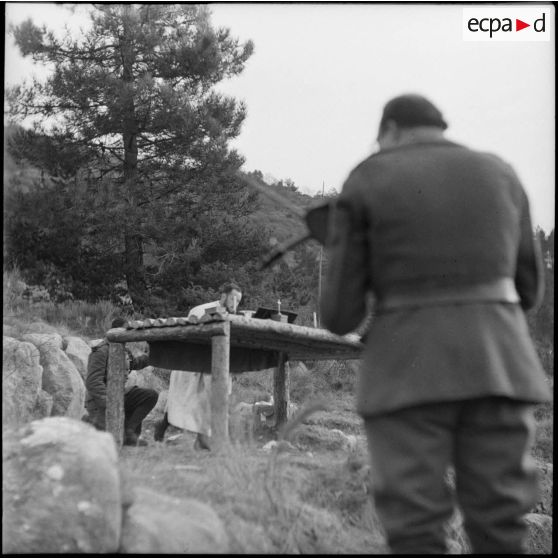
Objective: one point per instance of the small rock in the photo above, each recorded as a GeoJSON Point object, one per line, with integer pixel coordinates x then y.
{"type": "Point", "coordinates": [545, 503]}
{"type": "Point", "coordinates": [269, 446]}
{"type": "Point", "coordinates": [348, 441]}
{"type": "Point", "coordinates": [84, 507]}
{"type": "Point", "coordinates": [160, 524]}
{"type": "Point", "coordinates": [279, 446]}
{"type": "Point", "coordinates": [55, 472]}
{"type": "Point", "coordinates": [539, 540]}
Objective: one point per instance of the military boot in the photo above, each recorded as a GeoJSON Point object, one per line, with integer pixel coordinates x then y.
{"type": "Point", "coordinates": [160, 428]}
{"type": "Point", "coordinates": [132, 439]}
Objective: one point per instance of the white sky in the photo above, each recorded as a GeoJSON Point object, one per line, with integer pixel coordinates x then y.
{"type": "Point", "coordinates": [321, 73]}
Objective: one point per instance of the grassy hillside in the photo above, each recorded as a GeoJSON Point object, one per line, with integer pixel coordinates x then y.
{"type": "Point", "coordinates": [280, 221]}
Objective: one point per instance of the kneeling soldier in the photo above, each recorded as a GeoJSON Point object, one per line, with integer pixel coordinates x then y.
{"type": "Point", "coordinates": [138, 402]}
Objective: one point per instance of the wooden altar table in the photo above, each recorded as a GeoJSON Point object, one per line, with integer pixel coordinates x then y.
{"type": "Point", "coordinates": [219, 346]}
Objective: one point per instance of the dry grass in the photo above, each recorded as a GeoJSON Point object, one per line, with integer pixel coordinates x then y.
{"type": "Point", "coordinates": [277, 502]}
{"type": "Point", "coordinates": [310, 496]}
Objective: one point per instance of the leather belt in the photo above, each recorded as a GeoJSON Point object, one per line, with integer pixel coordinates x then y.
{"type": "Point", "coordinates": [499, 290]}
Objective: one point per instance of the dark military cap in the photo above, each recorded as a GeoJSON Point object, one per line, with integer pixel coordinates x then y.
{"type": "Point", "coordinates": [411, 110]}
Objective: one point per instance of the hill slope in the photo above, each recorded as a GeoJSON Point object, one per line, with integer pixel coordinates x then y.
{"type": "Point", "coordinates": [281, 222]}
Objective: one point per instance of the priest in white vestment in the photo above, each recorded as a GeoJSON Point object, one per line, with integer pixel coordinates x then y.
{"type": "Point", "coordinates": [188, 401]}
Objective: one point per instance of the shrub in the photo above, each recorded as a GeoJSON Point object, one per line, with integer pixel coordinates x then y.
{"type": "Point", "coordinates": [335, 375]}
{"type": "Point", "coordinates": [36, 293]}
{"type": "Point", "coordinates": [13, 287]}
{"type": "Point", "coordinates": [543, 448]}
{"type": "Point", "coordinates": [88, 318]}
{"type": "Point", "coordinates": [25, 305]}
{"type": "Point", "coordinates": [251, 387]}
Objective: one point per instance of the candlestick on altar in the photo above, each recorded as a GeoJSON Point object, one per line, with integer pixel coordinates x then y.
{"type": "Point", "coordinates": [278, 307]}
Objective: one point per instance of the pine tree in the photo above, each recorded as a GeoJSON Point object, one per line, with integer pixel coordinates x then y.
{"type": "Point", "coordinates": [134, 95]}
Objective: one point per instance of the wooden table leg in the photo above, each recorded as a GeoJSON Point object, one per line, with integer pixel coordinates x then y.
{"type": "Point", "coordinates": [116, 378]}
{"type": "Point", "coordinates": [281, 389]}
{"type": "Point", "coordinates": [220, 353]}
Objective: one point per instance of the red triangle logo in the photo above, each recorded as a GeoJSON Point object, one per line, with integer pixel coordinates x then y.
{"type": "Point", "coordinates": [519, 25]}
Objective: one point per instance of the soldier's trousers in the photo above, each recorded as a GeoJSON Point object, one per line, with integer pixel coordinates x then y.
{"type": "Point", "coordinates": [487, 441]}
{"type": "Point", "coordinates": [138, 403]}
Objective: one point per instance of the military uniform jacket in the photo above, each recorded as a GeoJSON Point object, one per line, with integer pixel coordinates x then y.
{"type": "Point", "coordinates": [96, 379]}
{"type": "Point", "coordinates": [428, 220]}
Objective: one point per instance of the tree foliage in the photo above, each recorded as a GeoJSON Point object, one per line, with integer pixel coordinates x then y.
{"type": "Point", "coordinates": [71, 244]}
{"type": "Point", "coordinates": [131, 103]}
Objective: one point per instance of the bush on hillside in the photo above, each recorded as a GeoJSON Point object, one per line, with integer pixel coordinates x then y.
{"type": "Point", "coordinates": [336, 375]}
{"type": "Point", "coordinates": [13, 287]}
{"type": "Point", "coordinates": [88, 319]}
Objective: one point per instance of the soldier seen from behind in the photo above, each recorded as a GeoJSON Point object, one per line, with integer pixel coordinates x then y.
{"type": "Point", "coordinates": [439, 236]}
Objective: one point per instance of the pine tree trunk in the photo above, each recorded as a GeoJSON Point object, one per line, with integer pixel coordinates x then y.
{"type": "Point", "coordinates": [133, 242]}
{"type": "Point", "coordinates": [134, 270]}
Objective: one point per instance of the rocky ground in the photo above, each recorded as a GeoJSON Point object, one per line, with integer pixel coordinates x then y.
{"type": "Point", "coordinates": [308, 493]}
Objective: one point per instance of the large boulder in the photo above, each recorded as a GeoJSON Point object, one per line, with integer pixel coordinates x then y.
{"type": "Point", "coordinates": [48, 339]}
{"type": "Point", "coordinates": [78, 352]}
{"type": "Point", "coordinates": [61, 489]}
{"type": "Point", "coordinates": [21, 381]}
{"type": "Point", "coordinates": [145, 378]}
{"type": "Point", "coordinates": [160, 524]}
{"type": "Point", "coordinates": [60, 377]}
{"type": "Point", "coordinates": [43, 406]}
